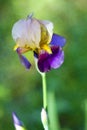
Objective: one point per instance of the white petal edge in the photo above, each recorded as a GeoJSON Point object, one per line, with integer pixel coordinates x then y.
{"type": "Point", "coordinates": [18, 29]}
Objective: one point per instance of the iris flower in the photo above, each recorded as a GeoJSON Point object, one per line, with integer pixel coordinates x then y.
{"type": "Point", "coordinates": [35, 35]}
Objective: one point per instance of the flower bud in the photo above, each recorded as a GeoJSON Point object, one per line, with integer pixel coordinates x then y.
{"type": "Point", "coordinates": [17, 123]}
{"type": "Point", "coordinates": [44, 119]}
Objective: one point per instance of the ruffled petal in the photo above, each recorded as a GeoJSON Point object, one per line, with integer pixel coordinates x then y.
{"type": "Point", "coordinates": [57, 57]}
{"type": "Point", "coordinates": [19, 29]}
{"type": "Point", "coordinates": [58, 40]}
{"type": "Point", "coordinates": [34, 32]}
{"type": "Point", "coordinates": [27, 32]}
{"type": "Point", "coordinates": [48, 61]}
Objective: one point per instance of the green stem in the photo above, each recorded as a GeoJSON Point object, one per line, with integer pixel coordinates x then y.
{"type": "Point", "coordinates": [85, 102]}
{"type": "Point", "coordinates": [52, 112]}
{"type": "Point", "coordinates": [43, 75]}
{"type": "Point", "coordinates": [44, 90]}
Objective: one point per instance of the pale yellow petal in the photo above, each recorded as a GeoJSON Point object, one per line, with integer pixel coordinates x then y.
{"type": "Point", "coordinates": [49, 26]}
{"type": "Point", "coordinates": [34, 33]}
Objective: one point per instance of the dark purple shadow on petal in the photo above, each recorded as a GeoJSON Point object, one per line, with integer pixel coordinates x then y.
{"type": "Point", "coordinates": [16, 120]}
{"type": "Point", "coordinates": [43, 62]}
{"type": "Point", "coordinates": [18, 50]}
{"type": "Point", "coordinates": [35, 55]}
{"type": "Point", "coordinates": [58, 40]}
{"type": "Point", "coordinates": [48, 61]}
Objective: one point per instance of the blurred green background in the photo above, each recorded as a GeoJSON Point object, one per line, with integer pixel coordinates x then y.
{"type": "Point", "coordinates": [21, 90]}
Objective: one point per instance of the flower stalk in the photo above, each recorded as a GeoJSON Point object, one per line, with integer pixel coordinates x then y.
{"type": "Point", "coordinates": [44, 117]}
{"type": "Point", "coordinates": [44, 90]}
{"type": "Point", "coordinates": [85, 106]}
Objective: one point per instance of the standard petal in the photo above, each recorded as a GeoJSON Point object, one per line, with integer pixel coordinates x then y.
{"type": "Point", "coordinates": [48, 25]}
{"type": "Point", "coordinates": [27, 32]}
{"type": "Point", "coordinates": [48, 61]}
{"type": "Point", "coordinates": [58, 40]}
{"type": "Point", "coordinates": [19, 29]}
{"type": "Point", "coordinates": [34, 32]}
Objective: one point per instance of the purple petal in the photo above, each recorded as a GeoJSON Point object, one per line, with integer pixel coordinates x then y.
{"type": "Point", "coordinates": [18, 50]}
{"type": "Point", "coordinates": [24, 61]}
{"type": "Point", "coordinates": [48, 61]}
{"type": "Point", "coordinates": [57, 58]}
{"type": "Point", "coordinates": [16, 120]}
{"type": "Point", "coordinates": [58, 40]}
{"type": "Point", "coordinates": [43, 62]}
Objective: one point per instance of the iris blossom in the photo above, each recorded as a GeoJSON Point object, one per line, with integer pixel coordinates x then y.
{"type": "Point", "coordinates": [35, 35]}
